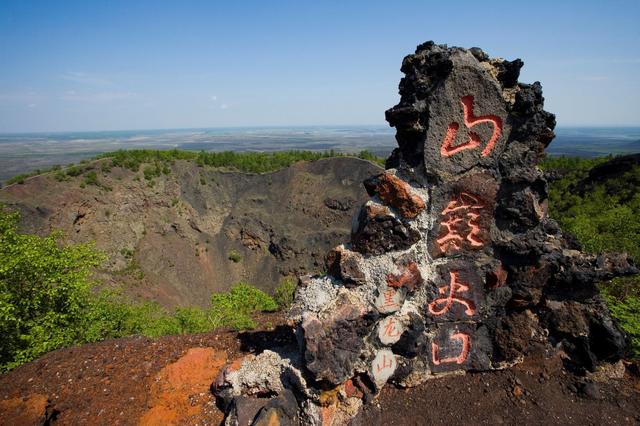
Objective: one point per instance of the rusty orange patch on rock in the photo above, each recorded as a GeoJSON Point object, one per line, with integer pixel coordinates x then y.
{"type": "Point", "coordinates": [32, 410]}
{"type": "Point", "coordinates": [177, 383]}
{"type": "Point", "coordinates": [397, 193]}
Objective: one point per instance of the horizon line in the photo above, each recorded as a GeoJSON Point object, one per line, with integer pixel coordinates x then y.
{"type": "Point", "coordinates": [278, 126]}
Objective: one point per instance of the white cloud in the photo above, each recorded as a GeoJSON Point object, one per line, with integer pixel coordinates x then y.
{"type": "Point", "coordinates": [214, 98]}
{"type": "Point", "coordinates": [224, 106]}
{"type": "Point", "coordinates": [84, 78]}
{"type": "Point", "coordinates": [73, 96]}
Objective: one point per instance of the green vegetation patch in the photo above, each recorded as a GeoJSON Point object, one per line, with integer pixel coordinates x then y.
{"type": "Point", "coordinates": [606, 217]}
{"type": "Point", "coordinates": [234, 256]}
{"type": "Point", "coordinates": [158, 162]}
{"type": "Point", "coordinates": [250, 162]}
{"type": "Point", "coordinates": [284, 293]}
{"type": "Point", "coordinates": [234, 309]}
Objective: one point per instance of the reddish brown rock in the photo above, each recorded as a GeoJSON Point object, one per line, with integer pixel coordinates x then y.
{"type": "Point", "coordinates": [172, 389]}
{"type": "Point", "coordinates": [345, 264]}
{"type": "Point", "coordinates": [32, 410]}
{"type": "Point", "coordinates": [396, 193]}
{"type": "Point", "coordinates": [497, 277]}
{"type": "Point", "coordinates": [410, 278]}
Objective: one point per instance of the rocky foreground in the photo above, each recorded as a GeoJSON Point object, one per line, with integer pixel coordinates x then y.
{"type": "Point", "coordinates": [139, 381]}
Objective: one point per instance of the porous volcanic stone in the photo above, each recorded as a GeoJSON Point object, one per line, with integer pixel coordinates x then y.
{"type": "Point", "coordinates": [378, 231]}
{"type": "Point", "coordinates": [458, 265]}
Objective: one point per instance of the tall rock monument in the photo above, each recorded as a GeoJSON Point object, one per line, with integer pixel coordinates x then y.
{"type": "Point", "coordinates": [453, 265]}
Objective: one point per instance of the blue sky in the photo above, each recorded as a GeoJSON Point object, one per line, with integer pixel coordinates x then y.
{"type": "Point", "coordinates": [107, 65]}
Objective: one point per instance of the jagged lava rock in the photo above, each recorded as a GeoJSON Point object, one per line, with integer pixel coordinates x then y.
{"type": "Point", "coordinates": [458, 265]}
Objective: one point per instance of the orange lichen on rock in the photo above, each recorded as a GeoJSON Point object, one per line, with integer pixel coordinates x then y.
{"type": "Point", "coordinates": [176, 383]}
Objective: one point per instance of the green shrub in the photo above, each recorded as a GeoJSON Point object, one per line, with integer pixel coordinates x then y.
{"type": "Point", "coordinates": [106, 167]}
{"type": "Point", "coordinates": [234, 256]}
{"type": "Point", "coordinates": [61, 176]}
{"type": "Point", "coordinates": [44, 290]}
{"type": "Point", "coordinates": [285, 292]}
{"type": "Point", "coordinates": [47, 301]}
{"type": "Point", "coordinates": [19, 179]}
{"type": "Point", "coordinates": [234, 309]}
{"type": "Point", "coordinates": [73, 171]}
{"type": "Point", "coordinates": [91, 178]}
{"type": "Point", "coordinates": [152, 171]}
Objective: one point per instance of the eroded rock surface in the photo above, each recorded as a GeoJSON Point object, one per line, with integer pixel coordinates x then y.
{"type": "Point", "coordinates": [453, 265]}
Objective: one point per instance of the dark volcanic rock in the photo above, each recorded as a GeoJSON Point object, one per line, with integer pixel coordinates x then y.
{"type": "Point", "coordinates": [345, 264]}
{"type": "Point", "coordinates": [333, 343]}
{"type": "Point", "coordinates": [476, 278]}
{"type": "Point", "coordinates": [378, 231]}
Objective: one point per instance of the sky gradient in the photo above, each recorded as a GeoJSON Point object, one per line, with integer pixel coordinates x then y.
{"type": "Point", "coordinates": [108, 65]}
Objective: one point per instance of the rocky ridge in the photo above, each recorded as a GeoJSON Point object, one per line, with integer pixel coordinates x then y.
{"type": "Point", "coordinates": [453, 264]}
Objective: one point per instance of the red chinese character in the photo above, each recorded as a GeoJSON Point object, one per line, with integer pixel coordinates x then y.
{"type": "Point", "coordinates": [466, 346]}
{"type": "Point", "coordinates": [390, 328]}
{"type": "Point", "coordinates": [454, 287]}
{"type": "Point", "coordinates": [465, 207]}
{"type": "Point", "coordinates": [386, 363]}
{"type": "Point", "coordinates": [388, 295]}
{"type": "Point", "coordinates": [448, 149]}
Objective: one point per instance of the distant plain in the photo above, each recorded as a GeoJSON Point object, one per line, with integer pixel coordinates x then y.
{"type": "Point", "coordinates": [25, 152]}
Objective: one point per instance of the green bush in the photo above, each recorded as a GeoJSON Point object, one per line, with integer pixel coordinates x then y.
{"type": "Point", "coordinates": [44, 291]}
{"type": "Point", "coordinates": [61, 176]}
{"type": "Point", "coordinates": [73, 171]}
{"type": "Point", "coordinates": [152, 171]}
{"type": "Point", "coordinates": [234, 256]}
{"type": "Point", "coordinates": [235, 308]}
{"type": "Point", "coordinates": [91, 178]}
{"type": "Point", "coordinates": [285, 292]}
{"type": "Point", "coordinates": [19, 179]}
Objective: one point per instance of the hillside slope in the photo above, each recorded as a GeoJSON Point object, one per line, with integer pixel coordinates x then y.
{"type": "Point", "coordinates": [183, 235]}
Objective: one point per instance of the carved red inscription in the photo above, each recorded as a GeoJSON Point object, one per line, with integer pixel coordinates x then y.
{"type": "Point", "coordinates": [390, 328]}
{"type": "Point", "coordinates": [384, 363]}
{"type": "Point", "coordinates": [441, 306]}
{"type": "Point", "coordinates": [448, 149]}
{"type": "Point", "coordinates": [462, 357]}
{"type": "Point", "coordinates": [465, 208]}
{"type": "Point", "coordinates": [389, 298]}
